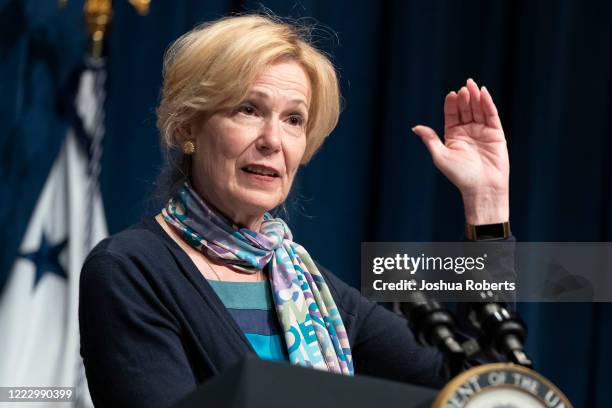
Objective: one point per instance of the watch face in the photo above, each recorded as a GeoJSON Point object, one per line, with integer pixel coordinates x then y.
{"type": "Point", "coordinates": [489, 231]}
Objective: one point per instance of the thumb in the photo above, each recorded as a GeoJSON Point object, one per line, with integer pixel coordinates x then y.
{"type": "Point", "coordinates": [431, 140]}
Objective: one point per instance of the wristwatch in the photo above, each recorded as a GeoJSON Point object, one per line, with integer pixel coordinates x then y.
{"type": "Point", "coordinates": [487, 232]}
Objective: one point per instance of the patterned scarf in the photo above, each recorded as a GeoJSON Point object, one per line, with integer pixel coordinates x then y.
{"type": "Point", "coordinates": [314, 331]}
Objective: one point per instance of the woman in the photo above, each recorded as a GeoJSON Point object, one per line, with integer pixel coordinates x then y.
{"type": "Point", "coordinates": [175, 300]}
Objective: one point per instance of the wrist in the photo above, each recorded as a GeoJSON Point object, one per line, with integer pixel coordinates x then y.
{"type": "Point", "coordinates": [483, 209]}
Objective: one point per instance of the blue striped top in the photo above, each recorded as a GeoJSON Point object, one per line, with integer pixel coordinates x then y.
{"type": "Point", "coordinates": [252, 307]}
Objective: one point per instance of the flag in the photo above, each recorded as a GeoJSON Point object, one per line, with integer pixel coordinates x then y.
{"type": "Point", "coordinates": [39, 333]}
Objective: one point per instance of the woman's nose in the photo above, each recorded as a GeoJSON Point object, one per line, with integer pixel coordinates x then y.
{"type": "Point", "coordinates": [270, 137]}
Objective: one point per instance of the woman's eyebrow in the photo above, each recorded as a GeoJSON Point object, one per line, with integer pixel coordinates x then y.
{"type": "Point", "coordinates": [266, 96]}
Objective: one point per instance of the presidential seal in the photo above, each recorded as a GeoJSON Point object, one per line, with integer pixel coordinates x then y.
{"type": "Point", "coordinates": [500, 385]}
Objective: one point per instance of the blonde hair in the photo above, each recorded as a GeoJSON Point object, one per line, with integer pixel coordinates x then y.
{"type": "Point", "coordinates": [212, 66]}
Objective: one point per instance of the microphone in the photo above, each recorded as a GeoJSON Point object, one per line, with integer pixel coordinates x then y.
{"type": "Point", "coordinates": [434, 326]}
{"type": "Point", "coordinates": [504, 330]}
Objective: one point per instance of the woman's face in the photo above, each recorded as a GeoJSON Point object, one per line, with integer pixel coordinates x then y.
{"type": "Point", "coordinates": [246, 156]}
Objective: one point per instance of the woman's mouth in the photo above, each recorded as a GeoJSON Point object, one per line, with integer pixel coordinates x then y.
{"type": "Point", "coordinates": [259, 172]}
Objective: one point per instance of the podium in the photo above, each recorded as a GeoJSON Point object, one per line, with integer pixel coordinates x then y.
{"type": "Point", "coordinates": [258, 383]}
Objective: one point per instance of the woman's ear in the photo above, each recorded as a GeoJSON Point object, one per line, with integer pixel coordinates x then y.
{"type": "Point", "coordinates": [182, 134]}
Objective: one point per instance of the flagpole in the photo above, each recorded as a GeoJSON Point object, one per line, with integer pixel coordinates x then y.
{"type": "Point", "coordinates": [98, 15]}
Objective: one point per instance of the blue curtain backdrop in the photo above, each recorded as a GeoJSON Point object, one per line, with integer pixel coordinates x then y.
{"type": "Point", "coordinates": [547, 65]}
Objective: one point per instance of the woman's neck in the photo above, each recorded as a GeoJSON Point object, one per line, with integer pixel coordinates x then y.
{"type": "Point", "coordinates": [238, 217]}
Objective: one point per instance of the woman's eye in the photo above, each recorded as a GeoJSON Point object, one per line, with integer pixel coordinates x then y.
{"type": "Point", "coordinates": [296, 120]}
{"type": "Point", "coordinates": [247, 109]}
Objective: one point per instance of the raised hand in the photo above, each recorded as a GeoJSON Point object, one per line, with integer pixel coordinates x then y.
{"type": "Point", "coordinates": [474, 155]}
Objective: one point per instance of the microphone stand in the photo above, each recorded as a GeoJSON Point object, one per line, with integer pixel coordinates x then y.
{"type": "Point", "coordinates": [434, 326]}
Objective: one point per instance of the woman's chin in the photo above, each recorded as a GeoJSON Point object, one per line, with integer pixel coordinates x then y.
{"type": "Point", "coordinates": [257, 201]}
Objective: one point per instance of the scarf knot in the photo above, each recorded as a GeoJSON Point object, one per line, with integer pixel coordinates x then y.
{"type": "Point", "coordinates": [276, 231]}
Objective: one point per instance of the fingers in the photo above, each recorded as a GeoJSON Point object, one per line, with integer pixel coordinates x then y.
{"type": "Point", "coordinates": [465, 109]}
{"type": "Point", "coordinates": [432, 141]}
{"type": "Point", "coordinates": [470, 104]}
{"type": "Point", "coordinates": [475, 103]}
{"type": "Point", "coordinates": [489, 109]}
{"type": "Point", "coordinates": [451, 111]}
